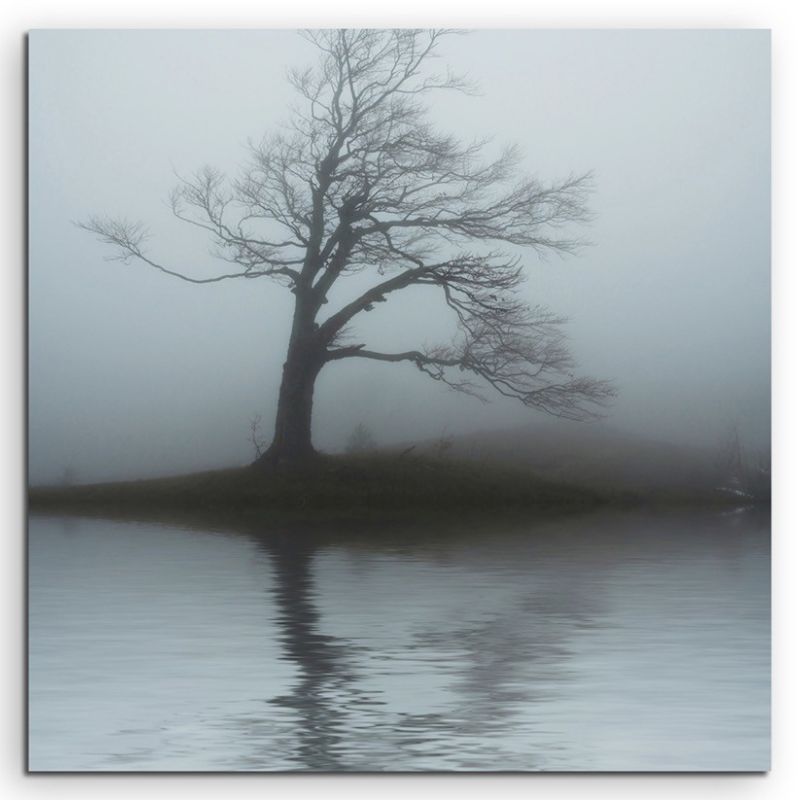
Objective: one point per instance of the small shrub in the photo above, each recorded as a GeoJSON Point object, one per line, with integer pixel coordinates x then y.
{"type": "Point", "coordinates": [360, 440]}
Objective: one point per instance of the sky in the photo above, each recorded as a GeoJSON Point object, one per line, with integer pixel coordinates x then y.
{"type": "Point", "coordinates": [133, 373]}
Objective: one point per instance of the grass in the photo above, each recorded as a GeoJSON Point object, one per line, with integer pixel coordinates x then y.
{"type": "Point", "coordinates": [347, 486]}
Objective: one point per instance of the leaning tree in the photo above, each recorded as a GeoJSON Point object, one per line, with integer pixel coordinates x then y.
{"type": "Point", "coordinates": [363, 183]}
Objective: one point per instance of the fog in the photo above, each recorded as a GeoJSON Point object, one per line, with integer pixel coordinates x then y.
{"type": "Point", "coordinates": [133, 373]}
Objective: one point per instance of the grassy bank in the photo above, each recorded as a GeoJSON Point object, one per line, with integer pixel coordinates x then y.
{"type": "Point", "coordinates": [348, 486]}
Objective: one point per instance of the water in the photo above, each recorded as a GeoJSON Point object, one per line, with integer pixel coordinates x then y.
{"type": "Point", "coordinates": [598, 643]}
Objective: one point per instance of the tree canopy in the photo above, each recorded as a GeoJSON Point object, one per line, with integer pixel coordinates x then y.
{"type": "Point", "coordinates": [360, 181]}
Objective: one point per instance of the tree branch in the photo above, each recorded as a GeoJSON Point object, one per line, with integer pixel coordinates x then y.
{"type": "Point", "coordinates": [360, 180]}
{"type": "Point", "coordinates": [128, 239]}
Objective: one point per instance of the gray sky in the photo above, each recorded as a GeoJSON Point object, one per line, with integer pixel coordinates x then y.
{"type": "Point", "coordinates": [132, 372]}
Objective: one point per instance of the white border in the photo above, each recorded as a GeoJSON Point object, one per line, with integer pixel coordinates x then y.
{"type": "Point", "coordinates": [781, 17]}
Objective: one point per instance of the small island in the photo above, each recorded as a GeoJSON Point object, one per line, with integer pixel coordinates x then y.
{"type": "Point", "coordinates": [505, 472]}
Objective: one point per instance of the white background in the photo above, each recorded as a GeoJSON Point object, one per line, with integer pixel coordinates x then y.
{"type": "Point", "coordinates": [780, 17]}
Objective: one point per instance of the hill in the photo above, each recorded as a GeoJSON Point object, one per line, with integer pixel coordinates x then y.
{"type": "Point", "coordinates": [383, 484]}
{"type": "Point", "coordinates": [594, 455]}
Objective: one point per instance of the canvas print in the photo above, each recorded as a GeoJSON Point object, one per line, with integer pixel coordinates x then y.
{"type": "Point", "coordinates": [399, 401]}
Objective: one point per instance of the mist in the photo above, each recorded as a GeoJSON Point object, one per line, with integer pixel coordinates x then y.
{"type": "Point", "coordinates": [132, 373]}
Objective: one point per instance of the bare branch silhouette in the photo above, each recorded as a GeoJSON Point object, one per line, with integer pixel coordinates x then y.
{"type": "Point", "coordinates": [361, 181]}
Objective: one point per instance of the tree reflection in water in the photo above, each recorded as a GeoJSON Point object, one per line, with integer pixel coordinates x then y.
{"type": "Point", "coordinates": [493, 667]}
{"type": "Point", "coordinates": [609, 642]}
{"type": "Point", "coordinates": [463, 651]}
{"type": "Point", "coordinates": [326, 684]}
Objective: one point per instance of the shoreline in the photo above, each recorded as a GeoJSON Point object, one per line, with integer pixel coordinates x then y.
{"type": "Point", "coordinates": [360, 487]}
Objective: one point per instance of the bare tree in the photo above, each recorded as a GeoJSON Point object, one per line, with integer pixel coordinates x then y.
{"type": "Point", "coordinates": [255, 438]}
{"type": "Point", "coordinates": [362, 182]}
{"type": "Point", "coordinates": [360, 440]}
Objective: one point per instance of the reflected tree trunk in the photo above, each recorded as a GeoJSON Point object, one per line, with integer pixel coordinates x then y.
{"type": "Point", "coordinates": [320, 659]}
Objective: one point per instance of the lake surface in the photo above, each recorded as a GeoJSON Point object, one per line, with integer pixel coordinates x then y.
{"type": "Point", "coordinates": [629, 642]}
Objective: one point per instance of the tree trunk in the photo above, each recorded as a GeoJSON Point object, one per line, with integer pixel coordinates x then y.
{"type": "Point", "coordinates": [305, 357]}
